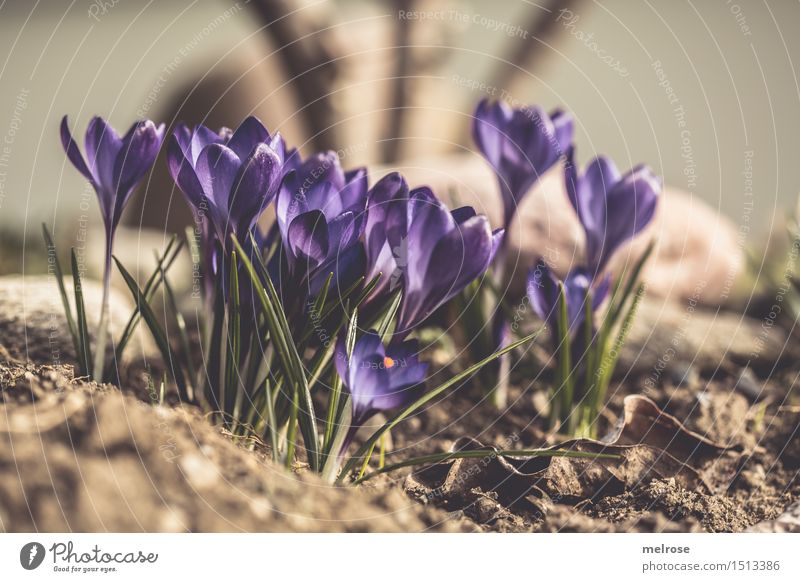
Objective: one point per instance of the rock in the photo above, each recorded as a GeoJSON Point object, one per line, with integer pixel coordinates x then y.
{"type": "Point", "coordinates": [33, 326]}
{"type": "Point", "coordinates": [667, 335]}
{"type": "Point", "coordinates": [697, 255]}
{"type": "Point", "coordinates": [83, 460]}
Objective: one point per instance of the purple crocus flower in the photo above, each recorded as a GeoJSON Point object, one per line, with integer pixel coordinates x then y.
{"type": "Point", "coordinates": [378, 378]}
{"type": "Point", "coordinates": [320, 213]}
{"type": "Point", "coordinates": [521, 145]}
{"type": "Point", "coordinates": [611, 208]}
{"type": "Point", "coordinates": [385, 233]}
{"type": "Point", "coordinates": [444, 252]}
{"type": "Point", "coordinates": [114, 165]}
{"type": "Point", "coordinates": [542, 288]}
{"type": "Point", "coordinates": [229, 177]}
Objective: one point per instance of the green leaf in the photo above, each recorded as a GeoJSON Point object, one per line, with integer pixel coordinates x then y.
{"type": "Point", "coordinates": [272, 425]}
{"type": "Point", "coordinates": [427, 397]}
{"type": "Point", "coordinates": [618, 303]}
{"type": "Point", "coordinates": [233, 351]}
{"type": "Point", "coordinates": [150, 288]}
{"type": "Point", "coordinates": [344, 299]}
{"type": "Point", "coordinates": [482, 454]}
{"type": "Point", "coordinates": [332, 421]}
{"type": "Point", "coordinates": [183, 336]}
{"type": "Point", "coordinates": [610, 357]}
{"type": "Point", "coordinates": [82, 329]}
{"type": "Point", "coordinates": [287, 352]}
{"type": "Point", "coordinates": [155, 329]}
{"type": "Point", "coordinates": [59, 276]}
{"type": "Point", "coordinates": [565, 385]}
{"type": "Point", "coordinates": [388, 318]}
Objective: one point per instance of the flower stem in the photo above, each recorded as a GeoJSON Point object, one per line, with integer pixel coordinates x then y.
{"type": "Point", "coordinates": [102, 327]}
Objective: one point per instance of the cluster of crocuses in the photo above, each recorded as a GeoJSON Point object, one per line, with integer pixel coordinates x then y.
{"type": "Point", "coordinates": [340, 256]}
{"type": "Point", "coordinates": [283, 308]}
{"type": "Point", "coordinates": [521, 145]}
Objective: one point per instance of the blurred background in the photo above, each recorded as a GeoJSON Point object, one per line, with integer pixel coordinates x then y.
{"type": "Point", "coordinates": [704, 92]}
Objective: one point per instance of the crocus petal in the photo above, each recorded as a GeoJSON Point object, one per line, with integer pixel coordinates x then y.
{"type": "Point", "coordinates": [600, 292]}
{"type": "Point", "coordinates": [489, 124]}
{"type": "Point", "coordinates": [462, 214]}
{"type": "Point", "coordinates": [542, 289]}
{"type": "Point", "coordinates": [612, 209]}
{"type": "Point", "coordinates": [307, 238]}
{"type": "Point", "coordinates": [247, 136]}
{"type": "Point", "coordinates": [139, 151]}
{"type": "Point", "coordinates": [369, 379]}
{"type": "Point", "coordinates": [521, 145]}
{"type": "Point", "coordinates": [369, 345]}
{"type": "Point", "coordinates": [342, 232]}
{"type": "Point", "coordinates": [217, 168]}
{"type": "Point", "coordinates": [73, 152]}
{"type": "Point", "coordinates": [102, 147]}
{"type": "Point", "coordinates": [202, 137]}
{"type": "Point", "coordinates": [564, 129]}
{"type": "Point", "coordinates": [347, 267]}
{"type": "Point", "coordinates": [458, 257]}
{"type": "Point", "coordinates": [184, 174]}
{"type": "Point", "coordinates": [354, 193]}
{"type": "Point", "coordinates": [429, 221]}
{"type": "Point", "coordinates": [631, 206]}
{"type": "Point", "coordinates": [254, 187]}
{"type": "Point", "coordinates": [290, 203]}
{"type": "Point", "coordinates": [379, 379]}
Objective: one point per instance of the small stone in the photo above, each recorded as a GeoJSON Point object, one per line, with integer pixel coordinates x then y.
{"type": "Point", "coordinates": [199, 471]}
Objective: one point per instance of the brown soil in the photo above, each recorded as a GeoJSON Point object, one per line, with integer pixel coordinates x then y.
{"type": "Point", "coordinates": [83, 457]}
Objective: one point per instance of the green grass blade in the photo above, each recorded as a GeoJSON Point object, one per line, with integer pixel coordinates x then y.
{"type": "Point", "coordinates": [618, 303]}
{"type": "Point", "coordinates": [565, 384]}
{"type": "Point", "coordinates": [610, 357]}
{"type": "Point", "coordinates": [387, 320]}
{"type": "Point", "coordinates": [82, 329]}
{"type": "Point", "coordinates": [150, 288]}
{"type": "Point", "coordinates": [272, 425]}
{"type": "Point", "coordinates": [331, 307]}
{"type": "Point", "coordinates": [183, 336]}
{"type": "Point", "coordinates": [59, 276]}
{"type": "Point", "coordinates": [155, 329]}
{"type": "Point", "coordinates": [332, 419]}
{"type": "Point", "coordinates": [287, 353]}
{"type": "Point", "coordinates": [483, 454]}
{"type": "Point", "coordinates": [233, 351]}
{"type": "Point", "coordinates": [428, 396]}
